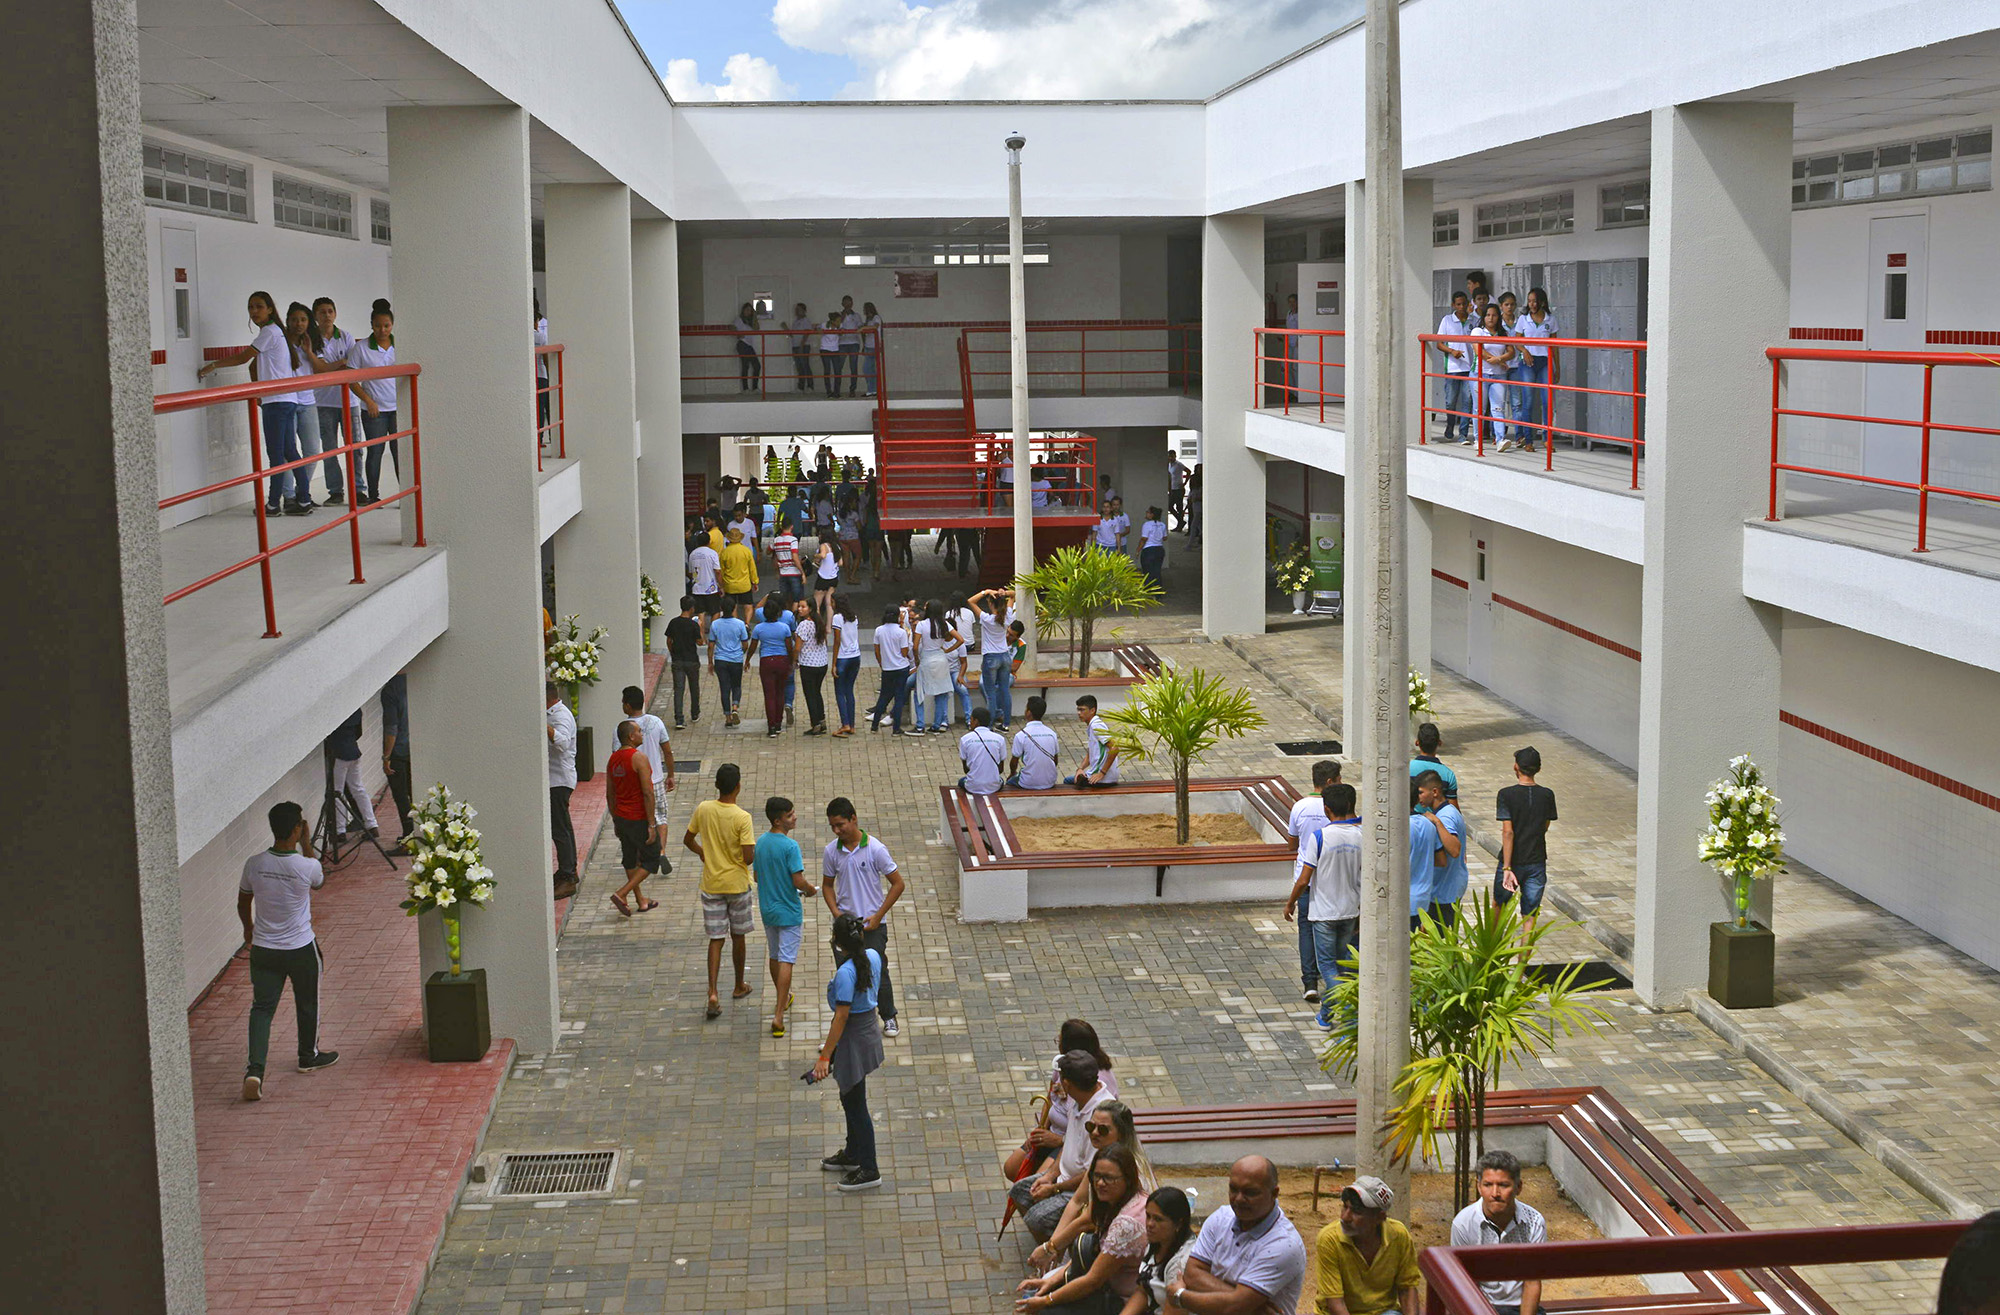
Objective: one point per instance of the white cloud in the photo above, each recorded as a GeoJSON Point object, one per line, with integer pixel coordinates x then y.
{"type": "Point", "coordinates": [744, 77]}
{"type": "Point", "coordinates": [1036, 49]}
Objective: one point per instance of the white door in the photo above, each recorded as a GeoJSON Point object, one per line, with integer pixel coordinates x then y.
{"type": "Point", "coordinates": [1479, 607]}
{"type": "Point", "coordinates": [1896, 319]}
{"type": "Point", "coordinates": [182, 437]}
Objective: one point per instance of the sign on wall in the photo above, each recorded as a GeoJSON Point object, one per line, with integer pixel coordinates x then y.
{"type": "Point", "coordinates": [916, 283]}
{"type": "Point", "coordinates": [694, 494]}
{"type": "Point", "coordinates": [1324, 528]}
{"type": "Point", "coordinates": [1326, 297]}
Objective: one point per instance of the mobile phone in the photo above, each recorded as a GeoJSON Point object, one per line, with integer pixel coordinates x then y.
{"type": "Point", "coordinates": [808, 1077]}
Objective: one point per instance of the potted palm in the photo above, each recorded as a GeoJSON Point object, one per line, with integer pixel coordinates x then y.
{"type": "Point", "coordinates": [1744, 843]}
{"type": "Point", "coordinates": [1175, 716]}
{"type": "Point", "coordinates": [446, 876]}
{"type": "Point", "coordinates": [1080, 585]}
{"type": "Point", "coordinates": [650, 606]}
{"type": "Point", "coordinates": [1474, 1007]}
{"type": "Point", "coordinates": [1294, 572]}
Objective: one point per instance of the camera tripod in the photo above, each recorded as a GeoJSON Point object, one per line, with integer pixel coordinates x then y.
{"type": "Point", "coordinates": [327, 833]}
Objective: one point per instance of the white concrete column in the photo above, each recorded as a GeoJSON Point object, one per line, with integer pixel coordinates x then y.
{"type": "Point", "coordinates": [1232, 529]}
{"type": "Point", "coordinates": [1141, 475]}
{"type": "Point", "coordinates": [1720, 252]}
{"type": "Point", "coordinates": [101, 1172]}
{"type": "Point", "coordinates": [656, 353]}
{"type": "Point", "coordinates": [462, 285]}
{"type": "Point", "coordinates": [587, 235]}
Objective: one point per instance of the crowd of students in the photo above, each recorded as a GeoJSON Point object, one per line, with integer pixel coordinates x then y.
{"type": "Point", "coordinates": [846, 342]}
{"type": "Point", "coordinates": [1501, 385]}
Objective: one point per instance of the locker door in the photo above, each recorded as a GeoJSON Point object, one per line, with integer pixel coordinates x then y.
{"type": "Point", "coordinates": [1896, 320]}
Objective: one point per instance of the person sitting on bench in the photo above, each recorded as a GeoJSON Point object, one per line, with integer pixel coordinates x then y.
{"type": "Point", "coordinates": [1033, 764]}
{"type": "Point", "coordinates": [1101, 756]}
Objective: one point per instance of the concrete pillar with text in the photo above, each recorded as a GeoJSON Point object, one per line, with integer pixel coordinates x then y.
{"type": "Point", "coordinates": [98, 1101]}
{"type": "Point", "coordinates": [587, 235]}
{"type": "Point", "coordinates": [460, 178]}
{"type": "Point", "coordinates": [1720, 292]}
{"type": "Point", "coordinates": [656, 361]}
{"type": "Point", "coordinates": [1232, 529]}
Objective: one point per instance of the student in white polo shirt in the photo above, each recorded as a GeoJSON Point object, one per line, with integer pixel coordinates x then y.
{"type": "Point", "coordinates": [1036, 748]}
{"type": "Point", "coordinates": [1307, 817]}
{"type": "Point", "coordinates": [1100, 765]}
{"type": "Point", "coordinates": [862, 879]}
{"type": "Point", "coordinates": [984, 753]}
{"type": "Point", "coordinates": [1458, 368]}
{"type": "Point", "coordinates": [274, 900]}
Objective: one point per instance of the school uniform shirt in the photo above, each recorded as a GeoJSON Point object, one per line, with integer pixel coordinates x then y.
{"type": "Point", "coordinates": [365, 355]}
{"type": "Point", "coordinates": [984, 753]}
{"type": "Point", "coordinates": [726, 636]}
{"type": "Point", "coordinates": [849, 631]}
{"type": "Point", "coordinates": [280, 888]}
{"type": "Point", "coordinates": [850, 329]}
{"type": "Point", "coordinates": [857, 874]}
{"type": "Point", "coordinates": [542, 340]}
{"type": "Point", "coordinates": [1524, 326]}
{"type": "Point", "coordinates": [774, 639]}
{"type": "Point", "coordinates": [274, 361]}
{"type": "Point", "coordinates": [1334, 853]}
{"type": "Point", "coordinates": [1424, 849]}
{"type": "Point", "coordinates": [829, 342]}
{"type": "Point", "coordinates": [1462, 363]}
{"type": "Point", "coordinates": [802, 333]}
{"type": "Point", "coordinates": [1455, 875]}
{"type": "Point", "coordinates": [843, 989]}
{"type": "Point", "coordinates": [706, 566]}
{"type": "Point", "coordinates": [1106, 533]}
{"type": "Point", "coordinates": [966, 622]}
{"type": "Point", "coordinates": [1123, 524]}
{"type": "Point", "coordinates": [892, 647]}
{"type": "Point", "coordinates": [1308, 816]}
{"type": "Point", "coordinates": [653, 734]}
{"type": "Point", "coordinates": [1152, 534]}
{"type": "Point", "coordinates": [1038, 493]}
{"type": "Point", "coordinates": [1098, 749]}
{"type": "Point", "coordinates": [745, 330]}
{"type": "Point", "coordinates": [338, 345]}
{"type": "Point", "coordinates": [562, 746]}
{"type": "Point", "coordinates": [1487, 369]}
{"type": "Point", "coordinates": [1037, 747]}
{"type": "Point", "coordinates": [993, 631]}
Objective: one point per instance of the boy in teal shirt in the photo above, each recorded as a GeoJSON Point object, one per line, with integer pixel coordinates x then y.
{"type": "Point", "coordinates": [781, 878]}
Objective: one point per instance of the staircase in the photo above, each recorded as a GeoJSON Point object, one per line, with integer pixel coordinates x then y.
{"type": "Point", "coordinates": [924, 459]}
{"type": "Point", "coordinates": [996, 550]}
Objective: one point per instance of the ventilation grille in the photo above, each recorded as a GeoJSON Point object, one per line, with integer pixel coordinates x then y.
{"type": "Point", "coordinates": [1308, 748]}
{"type": "Point", "coordinates": [563, 1173]}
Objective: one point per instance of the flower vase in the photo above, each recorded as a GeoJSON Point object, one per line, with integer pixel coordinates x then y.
{"type": "Point", "coordinates": [449, 921]}
{"type": "Point", "coordinates": [646, 634]}
{"type": "Point", "coordinates": [457, 1023]}
{"type": "Point", "coordinates": [1298, 601]}
{"type": "Point", "coordinates": [1742, 965]}
{"type": "Point", "coordinates": [573, 695]}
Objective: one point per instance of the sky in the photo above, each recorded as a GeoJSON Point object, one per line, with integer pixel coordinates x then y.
{"type": "Point", "coordinates": [969, 49]}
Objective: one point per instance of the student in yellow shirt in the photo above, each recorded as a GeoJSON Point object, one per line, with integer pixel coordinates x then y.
{"type": "Point", "coordinates": [721, 836]}
{"type": "Point", "coordinates": [739, 575]}
{"type": "Point", "coordinates": [1367, 1261]}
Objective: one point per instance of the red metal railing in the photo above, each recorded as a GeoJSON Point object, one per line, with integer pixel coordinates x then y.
{"type": "Point", "coordinates": [947, 476]}
{"type": "Point", "coordinates": [1452, 1274]}
{"type": "Point", "coordinates": [1298, 355]}
{"type": "Point", "coordinates": [251, 394]}
{"type": "Point", "coordinates": [1925, 423]}
{"type": "Point", "coordinates": [1120, 356]}
{"type": "Point", "coordinates": [1480, 417]}
{"type": "Point", "coordinates": [549, 412]}
{"type": "Point", "coordinates": [709, 359]}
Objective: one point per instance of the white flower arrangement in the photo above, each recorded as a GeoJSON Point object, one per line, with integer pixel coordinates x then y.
{"type": "Point", "coordinates": [1420, 696]}
{"type": "Point", "coordinates": [650, 605]}
{"type": "Point", "coordinates": [572, 656]}
{"type": "Point", "coordinates": [445, 871]}
{"type": "Point", "coordinates": [1744, 840]}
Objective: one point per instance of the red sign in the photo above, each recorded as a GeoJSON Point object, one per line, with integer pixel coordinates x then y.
{"type": "Point", "coordinates": [694, 494]}
{"type": "Point", "coordinates": [180, 275]}
{"type": "Point", "coordinates": [1899, 260]}
{"type": "Point", "coordinates": [916, 283]}
{"type": "Point", "coordinates": [1328, 283]}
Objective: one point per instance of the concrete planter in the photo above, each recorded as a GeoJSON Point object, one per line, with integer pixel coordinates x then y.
{"type": "Point", "coordinates": [1742, 965]}
{"type": "Point", "coordinates": [456, 1022]}
{"type": "Point", "coordinates": [1134, 662]}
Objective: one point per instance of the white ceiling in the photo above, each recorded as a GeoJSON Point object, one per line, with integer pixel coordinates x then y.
{"type": "Point", "coordinates": [963, 229]}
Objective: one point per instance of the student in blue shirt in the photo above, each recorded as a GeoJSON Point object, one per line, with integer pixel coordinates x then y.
{"type": "Point", "coordinates": [1448, 886]}
{"type": "Point", "coordinates": [727, 636]}
{"type": "Point", "coordinates": [852, 1050]}
{"type": "Point", "coordinates": [781, 878]}
{"type": "Point", "coordinates": [1425, 856]}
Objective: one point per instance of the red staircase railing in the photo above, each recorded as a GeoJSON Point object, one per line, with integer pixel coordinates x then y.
{"type": "Point", "coordinates": [252, 394]}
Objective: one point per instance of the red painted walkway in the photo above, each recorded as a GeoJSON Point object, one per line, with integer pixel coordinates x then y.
{"type": "Point", "coordinates": [331, 1193]}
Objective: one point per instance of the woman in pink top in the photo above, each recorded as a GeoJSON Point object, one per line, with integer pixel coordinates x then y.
{"type": "Point", "coordinates": [1102, 1269]}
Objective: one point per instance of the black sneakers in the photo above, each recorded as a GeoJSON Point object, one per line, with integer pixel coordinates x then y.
{"type": "Point", "coordinates": [323, 1059]}
{"type": "Point", "coordinates": [838, 1162]}
{"type": "Point", "coordinates": [859, 1180]}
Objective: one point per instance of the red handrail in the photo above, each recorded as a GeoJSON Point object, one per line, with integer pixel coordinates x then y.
{"type": "Point", "coordinates": [1289, 343]}
{"type": "Point", "coordinates": [1925, 423]}
{"type": "Point", "coordinates": [1548, 389]}
{"type": "Point", "coordinates": [251, 394]}
{"type": "Point", "coordinates": [1452, 1274]}
{"type": "Point", "coordinates": [873, 341]}
{"type": "Point", "coordinates": [550, 395]}
{"type": "Point", "coordinates": [1081, 350]}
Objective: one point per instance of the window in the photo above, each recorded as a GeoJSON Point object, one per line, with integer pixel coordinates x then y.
{"type": "Point", "coordinates": [1625, 205]}
{"type": "Point", "coordinates": [925, 251]}
{"type": "Point", "coordinates": [1961, 163]}
{"type": "Point", "coordinates": [1285, 248]}
{"type": "Point", "coordinates": [378, 221]}
{"type": "Point", "coordinates": [310, 207]}
{"type": "Point", "coordinates": [1333, 241]}
{"type": "Point", "coordinates": [186, 181]}
{"type": "Point", "coordinates": [1553, 213]}
{"type": "Point", "coordinates": [1444, 228]}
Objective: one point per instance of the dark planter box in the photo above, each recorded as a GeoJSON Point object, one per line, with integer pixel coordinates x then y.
{"type": "Point", "coordinates": [1742, 963]}
{"type": "Point", "coordinates": [586, 754]}
{"type": "Point", "coordinates": [455, 1017]}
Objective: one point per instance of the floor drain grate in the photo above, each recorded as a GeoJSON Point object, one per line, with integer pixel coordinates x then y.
{"type": "Point", "coordinates": [1308, 748]}
{"type": "Point", "coordinates": [561, 1173]}
{"type": "Point", "coordinates": [1592, 975]}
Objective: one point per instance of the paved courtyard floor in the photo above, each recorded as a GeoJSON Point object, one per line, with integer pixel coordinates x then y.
{"type": "Point", "coordinates": [721, 1207]}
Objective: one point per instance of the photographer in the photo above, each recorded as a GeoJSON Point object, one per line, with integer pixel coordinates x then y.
{"type": "Point", "coordinates": [274, 900]}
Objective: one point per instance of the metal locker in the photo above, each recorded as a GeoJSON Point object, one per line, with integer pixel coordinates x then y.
{"type": "Point", "coordinates": [1616, 309]}
{"type": "Point", "coordinates": [1565, 282]}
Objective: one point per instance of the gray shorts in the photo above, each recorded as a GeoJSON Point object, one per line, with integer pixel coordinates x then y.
{"type": "Point", "coordinates": [726, 915]}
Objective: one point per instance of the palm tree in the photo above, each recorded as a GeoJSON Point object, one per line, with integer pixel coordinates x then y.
{"type": "Point", "coordinates": [1081, 584]}
{"type": "Point", "coordinates": [1177, 715]}
{"type": "Point", "coordinates": [1474, 1006]}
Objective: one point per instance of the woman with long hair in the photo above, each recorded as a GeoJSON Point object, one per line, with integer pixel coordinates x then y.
{"type": "Point", "coordinates": [996, 676]}
{"type": "Point", "coordinates": [852, 1050]}
{"type": "Point", "coordinates": [936, 644]}
{"type": "Point", "coordinates": [1170, 1237]}
{"type": "Point", "coordinates": [278, 415]}
{"type": "Point", "coordinates": [1491, 371]}
{"type": "Point", "coordinates": [749, 358]}
{"type": "Point", "coordinates": [1110, 1124]}
{"type": "Point", "coordinates": [1101, 1270]}
{"type": "Point", "coordinates": [378, 402]}
{"type": "Point", "coordinates": [813, 660]}
{"type": "Point", "coordinates": [1538, 364]}
{"type": "Point", "coordinates": [845, 628]}
{"type": "Point", "coordinates": [826, 570]}
{"type": "Point", "coordinates": [871, 346]}
{"type": "Point", "coordinates": [1043, 1141]}
{"type": "Point", "coordinates": [771, 642]}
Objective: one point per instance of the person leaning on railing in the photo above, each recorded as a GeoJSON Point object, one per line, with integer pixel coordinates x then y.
{"type": "Point", "coordinates": [276, 358]}
{"type": "Point", "coordinates": [749, 362]}
{"type": "Point", "coordinates": [378, 401]}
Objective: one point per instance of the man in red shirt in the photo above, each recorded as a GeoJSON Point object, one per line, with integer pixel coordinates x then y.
{"type": "Point", "coordinates": [628, 790]}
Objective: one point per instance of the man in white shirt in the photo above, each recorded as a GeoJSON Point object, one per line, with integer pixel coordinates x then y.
{"type": "Point", "coordinates": [1458, 366]}
{"type": "Point", "coordinates": [1177, 474]}
{"type": "Point", "coordinates": [274, 902]}
{"type": "Point", "coordinates": [1307, 817]}
{"type": "Point", "coordinates": [1036, 748]}
{"type": "Point", "coordinates": [750, 526]}
{"type": "Point", "coordinates": [862, 878]}
{"type": "Point", "coordinates": [1497, 1218]}
{"type": "Point", "coordinates": [1042, 1197]}
{"type": "Point", "coordinates": [850, 347]}
{"type": "Point", "coordinates": [658, 747]}
{"type": "Point", "coordinates": [562, 781]}
{"type": "Point", "coordinates": [704, 567]}
{"type": "Point", "coordinates": [984, 753]}
{"type": "Point", "coordinates": [1121, 520]}
{"type": "Point", "coordinates": [1100, 765]}
{"type": "Point", "coordinates": [803, 331]}
{"type": "Point", "coordinates": [1332, 870]}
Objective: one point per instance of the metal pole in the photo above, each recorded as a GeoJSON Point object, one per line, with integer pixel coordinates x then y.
{"type": "Point", "coordinates": [1384, 722]}
{"type": "Point", "coordinates": [1017, 318]}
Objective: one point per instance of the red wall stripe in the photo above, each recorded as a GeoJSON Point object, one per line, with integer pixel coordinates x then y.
{"type": "Point", "coordinates": [1449, 579]}
{"type": "Point", "coordinates": [217, 353]}
{"type": "Point", "coordinates": [160, 356]}
{"type": "Point", "coordinates": [1962, 338]}
{"type": "Point", "coordinates": [1826, 335]}
{"type": "Point", "coordinates": [1595, 638]}
{"type": "Point", "coordinates": [1949, 784]}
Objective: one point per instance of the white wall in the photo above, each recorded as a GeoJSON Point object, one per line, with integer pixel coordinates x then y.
{"type": "Point", "coordinates": [1919, 851]}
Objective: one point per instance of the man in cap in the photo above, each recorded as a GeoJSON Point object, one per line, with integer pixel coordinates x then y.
{"type": "Point", "coordinates": [1367, 1261]}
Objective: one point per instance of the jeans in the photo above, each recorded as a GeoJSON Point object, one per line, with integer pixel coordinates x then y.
{"type": "Point", "coordinates": [996, 685]}
{"type": "Point", "coordinates": [1534, 879]}
{"type": "Point", "coordinates": [773, 671]}
{"type": "Point", "coordinates": [1040, 1217]}
{"type": "Point", "coordinates": [940, 711]}
{"type": "Point", "coordinates": [850, 366]}
{"type": "Point", "coordinates": [1535, 401]}
{"type": "Point", "coordinates": [281, 444]}
{"type": "Point", "coordinates": [860, 1146]}
{"type": "Point", "coordinates": [802, 366]}
{"type": "Point", "coordinates": [749, 366]}
{"type": "Point", "coordinates": [792, 587]}
{"type": "Point", "coordinates": [269, 971]}
{"type": "Point", "coordinates": [687, 677]}
{"type": "Point", "coordinates": [330, 437]}
{"type": "Point", "coordinates": [1517, 396]}
{"type": "Point", "coordinates": [399, 788]}
{"type": "Point", "coordinates": [562, 832]}
{"type": "Point", "coordinates": [1457, 397]}
{"type": "Point", "coordinates": [845, 672]}
{"type": "Point", "coordinates": [1498, 408]}
{"type": "Point", "coordinates": [814, 677]}
{"type": "Point", "coordinates": [868, 368]}
{"type": "Point", "coordinates": [375, 426]}
{"type": "Point", "coordinates": [729, 684]}
{"type": "Point", "coordinates": [961, 696]}
{"type": "Point", "coordinates": [1334, 942]}
{"type": "Point", "coordinates": [1151, 562]}
{"type": "Point", "coordinates": [892, 699]}
{"type": "Point", "coordinates": [309, 446]}
{"type": "Point", "coordinates": [829, 363]}
{"type": "Point", "coordinates": [1308, 954]}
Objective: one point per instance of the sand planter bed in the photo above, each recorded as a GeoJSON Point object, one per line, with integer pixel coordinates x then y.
{"type": "Point", "coordinates": [1114, 670]}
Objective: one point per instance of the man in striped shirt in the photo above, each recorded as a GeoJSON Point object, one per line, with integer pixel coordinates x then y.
{"type": "Point", "coordinates": [1500, 1216]}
